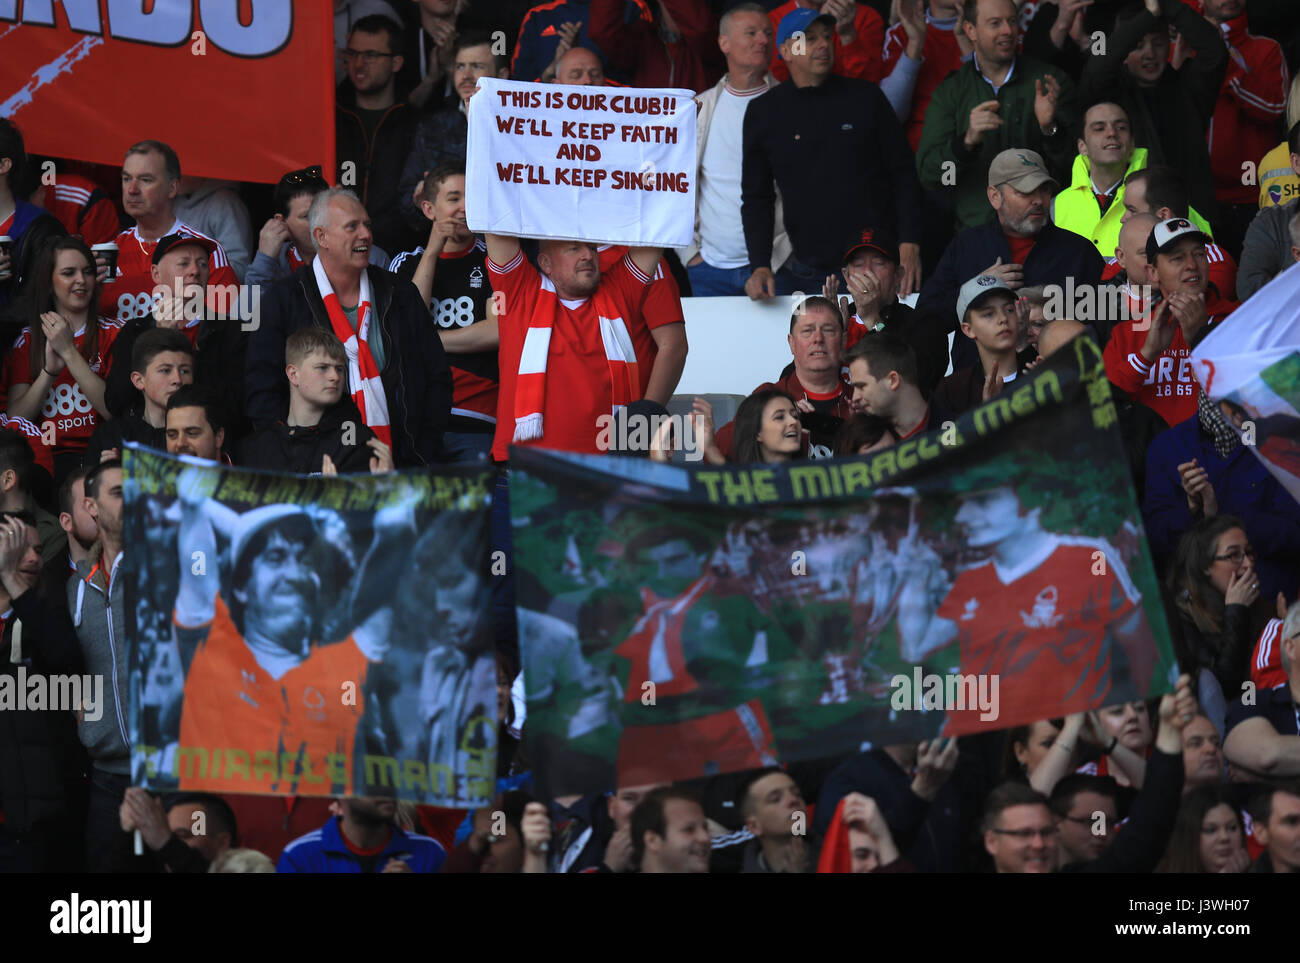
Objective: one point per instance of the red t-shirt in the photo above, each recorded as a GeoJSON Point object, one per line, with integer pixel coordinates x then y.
{"type": "Point", "coordinates": [1041, 630]}
{"type": "Point", "coordinates": [662, 305]}
{"type": "Point", "coordinates": [75, 418]}
{"type": "Point", "coordinates": [578, 387]}
{"type": "Point", "coordinates": [130, 294]}
{"type": "Point", "coordinates": [1020, 248]}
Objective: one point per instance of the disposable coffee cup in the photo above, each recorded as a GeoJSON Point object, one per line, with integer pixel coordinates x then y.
{"type": "Point", "coordinates": [109, 253]}
{"type": "Point", "coordinates": [7, 249]}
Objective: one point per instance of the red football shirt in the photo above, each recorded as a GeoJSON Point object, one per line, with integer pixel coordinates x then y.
{"type": "Point", "coordinates": [44, 456]}
{"type": "Point", "coordinates": [82, 208]}
{"type": "Point", "coordinates": [1041, 629]}
{"type": "Point", "coordinates": [75, 418]}
{"type": "Point", "coordinates": [662, 305]}
{"type": "Point", "coordinates": [578, 388]}
{"type": "Point", "coordinates": [130, 294]}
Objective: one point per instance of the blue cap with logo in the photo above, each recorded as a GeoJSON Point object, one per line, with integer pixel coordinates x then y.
{"type": "Point", "coordinates": [798, 20]}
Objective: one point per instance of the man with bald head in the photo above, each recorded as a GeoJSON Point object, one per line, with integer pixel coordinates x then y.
{"type": "Point", "coordinates": [1131, 260]}
{"type": "Point", "coordinates": [580, 68]}
{"type": "Point", "coordinates": [397, 371]}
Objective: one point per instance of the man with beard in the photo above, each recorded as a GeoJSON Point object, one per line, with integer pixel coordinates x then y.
{"type": "Point", "coordinates": [364, 839]}
{"type": "Point", "coordinates": [276, 664]}
{"type": "Point", "coordinates": [195, 424]}
{"type": "Point", "coordinates": [1028, 249]}
{"type": "Point", "coordinates": [74, 518]}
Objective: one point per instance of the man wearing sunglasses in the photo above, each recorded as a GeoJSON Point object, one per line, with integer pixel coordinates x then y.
{"type": "Point", "coordinates": [374, 127]}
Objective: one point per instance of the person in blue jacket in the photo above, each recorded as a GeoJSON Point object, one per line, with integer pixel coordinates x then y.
{"type": "Point", "coordinates": [1200, 468]}
{"type": "Point", "coordinates": [365, 839]}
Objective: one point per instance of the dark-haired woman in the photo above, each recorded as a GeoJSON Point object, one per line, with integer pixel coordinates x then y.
{"type": "Point", "coordinates": [1215, 590]}
{"type": "Point", "coordinates": [54, 374]}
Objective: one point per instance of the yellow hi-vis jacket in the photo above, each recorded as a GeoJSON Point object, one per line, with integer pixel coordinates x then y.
{"type": "Point", "coordinates": [1076, 208]}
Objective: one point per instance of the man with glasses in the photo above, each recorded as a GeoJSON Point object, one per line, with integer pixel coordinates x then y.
{"type": "Point", "coordinates": [1085, 811]}
{"type": "Point", "coordinates": [1022, 835]}
{"type": "Point", "coordinates": [441, 137]}
{"type": "Point", "coordinates": [374, 129]}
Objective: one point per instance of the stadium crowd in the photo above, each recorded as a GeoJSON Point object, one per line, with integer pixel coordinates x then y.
{"type": "Point", "coordinates": [931, 170]}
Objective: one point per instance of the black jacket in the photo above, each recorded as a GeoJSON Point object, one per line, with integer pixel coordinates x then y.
{"type": "Point", "coordinates": [1056, 255]}
{"type": "Point", "coordinates": [39, 749]}
{"type": "Point", "coordinates": [417, 380]}
{"type": "Point", "coordinates": [129, 426]}
{"type": "Point", "coordinates": [278, 447]}
{"type": "Point", "coordinates": [1144, 838]}
{"type": "Point", "coordinates": [1172, 118]}
{"type": "Point", "coordinates": [963, 390]}
{"type": "Point", "coordinates": [218, 364]}
{"type": "Point", "coordinates": [1138, 427]}
{"type": "Point", "coordinates": [801, 140]}
{"type": "Point", "coordinates": [378, 165]}
{"type": "Point", "coordinates": [1226, 653]}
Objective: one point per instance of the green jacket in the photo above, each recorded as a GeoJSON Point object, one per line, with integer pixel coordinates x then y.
{"type": "Point", "coordinates": [1076, 208]}
{"type": "Point", "coordinates": [948, 117]}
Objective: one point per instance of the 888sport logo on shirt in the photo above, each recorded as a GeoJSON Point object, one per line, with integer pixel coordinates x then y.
{"type": "Point", "coordinates": [453, 312]}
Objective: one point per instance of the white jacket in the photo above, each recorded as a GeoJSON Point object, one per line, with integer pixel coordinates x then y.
{"type": "Point", "coordinates": [707, 102]}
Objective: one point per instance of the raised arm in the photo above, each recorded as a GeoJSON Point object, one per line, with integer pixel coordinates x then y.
{"type": "Point", "coordinates": [502, 248]}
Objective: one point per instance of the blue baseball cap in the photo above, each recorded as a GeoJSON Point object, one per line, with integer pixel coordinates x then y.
{"type": "Point", "coordinates": [798, 20]}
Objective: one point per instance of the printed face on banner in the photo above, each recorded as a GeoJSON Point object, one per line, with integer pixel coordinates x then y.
{"type": "Point", "coordinates": [310, 636]}
{"type": "Point", "coordinates": [678, 623]}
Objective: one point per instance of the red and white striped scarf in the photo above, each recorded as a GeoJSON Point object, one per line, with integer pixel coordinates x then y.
{"type": "Point", "coordinates": [530, 388]}
{"type": "Point", "coordinates": [363, 373]}
{"type": "Point", "coordinates": [295, 259]}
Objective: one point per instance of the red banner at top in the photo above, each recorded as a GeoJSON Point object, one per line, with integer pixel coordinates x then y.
{"type": "Point", "coordinates": [242, 89]}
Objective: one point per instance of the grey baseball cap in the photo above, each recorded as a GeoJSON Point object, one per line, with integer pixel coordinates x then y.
{"type": "Point", "coordinates": [976, 291]}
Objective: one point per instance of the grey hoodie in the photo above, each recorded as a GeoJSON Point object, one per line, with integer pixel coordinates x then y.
{"type": "Point", "coordinates": [100, 619]}
{"type": "Point", "coordinates": [1266, 251]}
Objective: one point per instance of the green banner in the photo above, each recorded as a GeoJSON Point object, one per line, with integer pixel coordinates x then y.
{"type": "Point", "coordinates": [678, 622]}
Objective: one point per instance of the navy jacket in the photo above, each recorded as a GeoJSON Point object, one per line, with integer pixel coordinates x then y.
{"type": "Point", "coordinates": [1242, 487]}
{"type": "Point", "coordinates": [1058, 254]}
{"type": "Point", "coordinates": [417, 380]}
{"type": "Point", "coordinates": [324, 851]}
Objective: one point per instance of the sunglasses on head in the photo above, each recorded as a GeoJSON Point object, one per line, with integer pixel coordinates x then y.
{"type": "Point", "coordinates": [312, 173]}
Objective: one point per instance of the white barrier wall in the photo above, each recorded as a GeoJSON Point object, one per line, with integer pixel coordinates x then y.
{"type": "Point", "coordinates": [736, 344]}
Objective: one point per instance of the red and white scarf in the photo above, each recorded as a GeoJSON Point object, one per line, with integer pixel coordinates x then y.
{"type": "Point", "coordinates": [530, 388]}
{"type": "Point", "coordinates": [363, 373]}
{"type": "Point", "coordinates": [294, 258]}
